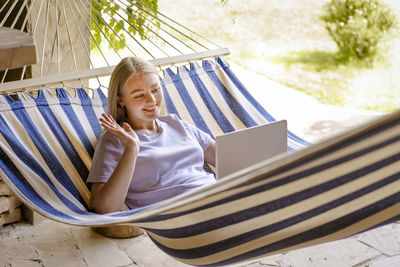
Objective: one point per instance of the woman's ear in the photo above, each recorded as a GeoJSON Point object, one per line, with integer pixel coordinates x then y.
{"type": "Point", "coordinates": [120, 102]}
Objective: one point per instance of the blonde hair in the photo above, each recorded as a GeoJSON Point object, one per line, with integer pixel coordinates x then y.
{"type": "Point", "coordinates": [125, 68]}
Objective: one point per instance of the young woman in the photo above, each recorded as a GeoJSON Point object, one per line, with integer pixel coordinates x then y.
{"type": "Point", "coordinates": [142, 157]}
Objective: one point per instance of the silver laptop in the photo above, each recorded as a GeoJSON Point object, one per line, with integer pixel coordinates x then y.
{"type": "Point", "coordinates": [240, 149]}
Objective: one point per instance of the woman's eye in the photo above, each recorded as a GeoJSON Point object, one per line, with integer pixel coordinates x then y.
{"type": "Point", "coordinates": [138, 96]}
{"type": "Point", "coordinates": [155, 90]}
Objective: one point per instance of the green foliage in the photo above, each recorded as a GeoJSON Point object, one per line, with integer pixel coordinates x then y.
{"type": "Point", "coordinates": [105, 21]}
{"type": "Point", "coordinates": [224, 2]}
{"type": "Point", "coordinates": [357, 26]}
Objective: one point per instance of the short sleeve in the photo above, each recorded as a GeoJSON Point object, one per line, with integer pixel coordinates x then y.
{"type": "Point", "coordinates": [202, 137]}
{"type": "Point", "coordinates": [107, 154]}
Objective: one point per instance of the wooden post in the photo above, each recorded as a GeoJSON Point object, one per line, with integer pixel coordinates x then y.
{"type": "Point", "coordinates": [64, 36]}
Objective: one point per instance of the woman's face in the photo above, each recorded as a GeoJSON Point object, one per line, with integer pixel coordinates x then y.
{"type": "Point", "coordinates": [142, 97]}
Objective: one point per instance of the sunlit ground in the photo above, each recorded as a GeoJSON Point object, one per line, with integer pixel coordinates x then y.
{"type": "Point", "coordinates": [379, 88]}
{"type": "Point", "coordinates": [287, 42]}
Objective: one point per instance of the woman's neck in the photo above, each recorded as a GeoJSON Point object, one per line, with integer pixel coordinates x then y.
{"type": "Point", "coordinates": [150, 128]}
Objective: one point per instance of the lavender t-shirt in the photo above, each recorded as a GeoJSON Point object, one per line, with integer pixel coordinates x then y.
{"type": "Point", "coordinates": [169, 162]}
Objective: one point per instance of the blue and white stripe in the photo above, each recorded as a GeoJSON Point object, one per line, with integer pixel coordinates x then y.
{"type": "Point", "coordinates": [214, 100]}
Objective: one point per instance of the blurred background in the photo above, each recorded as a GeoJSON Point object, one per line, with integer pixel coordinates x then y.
{"type": "Point", "coordinates": [287, 42]}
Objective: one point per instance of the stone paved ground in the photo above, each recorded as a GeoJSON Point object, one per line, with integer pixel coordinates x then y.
{"type": "Point", "coordinates": [48, 243]}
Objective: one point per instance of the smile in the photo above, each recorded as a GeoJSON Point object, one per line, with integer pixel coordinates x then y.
{"type": "Point", "coordinates": [150, 109]}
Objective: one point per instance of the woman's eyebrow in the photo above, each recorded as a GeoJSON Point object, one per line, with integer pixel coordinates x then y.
{"type": "Point", "coordinates": [141, 89]}
{"type": "Point", "coordinates": [136, 90]}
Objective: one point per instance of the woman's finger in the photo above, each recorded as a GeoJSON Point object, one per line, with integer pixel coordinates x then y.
{"type": "Point", "coordinates": [108, 117]}
{"type": "Point", "coordinates": [127, 127]}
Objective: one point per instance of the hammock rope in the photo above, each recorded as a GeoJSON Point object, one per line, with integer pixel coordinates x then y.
{"type": "Point", "coordinates": [158, 35]}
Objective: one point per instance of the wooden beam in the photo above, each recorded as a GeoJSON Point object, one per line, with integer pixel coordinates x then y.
{"type": "Point", "coordinates": [34, 83]}
{"type": "Point", "coordinates": [190, 57]}
{"type": "Point", "coordinates": [17, 49]}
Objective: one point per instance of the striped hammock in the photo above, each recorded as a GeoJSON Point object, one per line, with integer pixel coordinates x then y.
{"type": "Point", "coordinates": [311, 195]}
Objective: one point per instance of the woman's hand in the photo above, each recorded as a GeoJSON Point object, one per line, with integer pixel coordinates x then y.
{"type": "Point", "coordinates": [126, 134]}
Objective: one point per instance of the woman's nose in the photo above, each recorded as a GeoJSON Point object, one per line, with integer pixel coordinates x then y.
{"type": "Point", "coordinates": [151, 97]}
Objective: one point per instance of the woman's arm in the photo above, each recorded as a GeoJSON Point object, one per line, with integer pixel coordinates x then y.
{"type": "Point", "coordinates": [209, 154]}
{"type": "Point", "coordinates": [110, 196]}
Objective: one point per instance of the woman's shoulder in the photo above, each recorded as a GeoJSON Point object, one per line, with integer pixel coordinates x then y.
{"type": "Point", "coordinates": [169, 118]}
{"type": "Point", "coordinates": [173, 121]}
